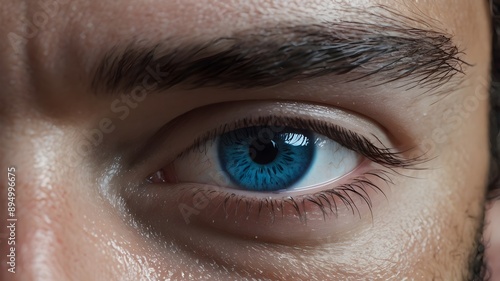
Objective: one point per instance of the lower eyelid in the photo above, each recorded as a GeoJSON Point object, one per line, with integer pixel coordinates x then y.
{"type": "Point", "coordinates": [297, 219]}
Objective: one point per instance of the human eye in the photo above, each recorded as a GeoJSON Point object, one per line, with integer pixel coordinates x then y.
{"type": "Point", "coordinates": [271, 158]}
{"type": "Point", "coordinates": [268, 158]}
{"type": "Point", "coordinates": [299, 174]}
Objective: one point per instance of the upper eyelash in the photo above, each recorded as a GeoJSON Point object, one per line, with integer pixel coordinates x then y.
{"type": "Point", "coordinates": [387, 157]}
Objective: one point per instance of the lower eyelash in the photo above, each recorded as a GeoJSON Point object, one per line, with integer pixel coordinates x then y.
{"type": "Point", "coordinates": [326, 200]}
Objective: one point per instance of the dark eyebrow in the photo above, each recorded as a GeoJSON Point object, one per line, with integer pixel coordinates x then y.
{"type": "Point", "coordinates": [262, 57]}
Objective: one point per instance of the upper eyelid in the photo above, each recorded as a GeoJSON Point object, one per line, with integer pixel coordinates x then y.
{"type": "Point", "coordinates": [169, 141]}
{"type": "Point", "coordinates": [172, 128]}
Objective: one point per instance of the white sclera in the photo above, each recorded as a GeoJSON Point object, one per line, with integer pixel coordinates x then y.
{"type": "Point", "coordinates": [331, 161]}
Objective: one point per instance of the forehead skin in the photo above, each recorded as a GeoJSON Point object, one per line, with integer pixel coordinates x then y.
{"type": "Point", "coordinates": [66, 227]}
{"type": "Point", "coordinates": [80, 31]}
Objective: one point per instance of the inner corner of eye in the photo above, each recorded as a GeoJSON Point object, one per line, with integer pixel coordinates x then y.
{"type": "Point", "coordinates": [164, 175]}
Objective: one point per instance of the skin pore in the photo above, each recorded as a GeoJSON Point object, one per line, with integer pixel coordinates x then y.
{"type": "Point", "coordinates": [85, 139]}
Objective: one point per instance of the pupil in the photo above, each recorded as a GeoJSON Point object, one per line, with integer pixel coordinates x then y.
{"type": "Point", "coordinates": [263, 153]}
{"type": "Point", "coordinates": [257, 159]}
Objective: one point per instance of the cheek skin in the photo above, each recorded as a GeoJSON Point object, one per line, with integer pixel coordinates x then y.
{"type": "Point", "coordinates": [457, 187]}
{"type": "Point", "coordinates": [450, 196]}
{"type": "Point", "coordinates": [492, 239]}
{"type": "Point", "coordinates": [65, 231]}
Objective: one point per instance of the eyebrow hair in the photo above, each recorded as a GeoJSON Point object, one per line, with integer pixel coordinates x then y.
{"type": "Point", "coordinates": [263, 57]}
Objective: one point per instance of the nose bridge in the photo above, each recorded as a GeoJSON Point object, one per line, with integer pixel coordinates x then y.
{"type": "Point", "coordinates": [59, 231]}
{"type": "Point", "coordinates": [50, 243]}
{"type": "Point", "coordinates": [38, 247]}
{"type": "Point", "coordinates": [44, 203]}
{"type": "Point", "coordinates": [44, 219]}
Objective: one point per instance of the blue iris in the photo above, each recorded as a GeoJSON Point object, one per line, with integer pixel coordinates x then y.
{"type": "Point", "coordinates": [262, 158]}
